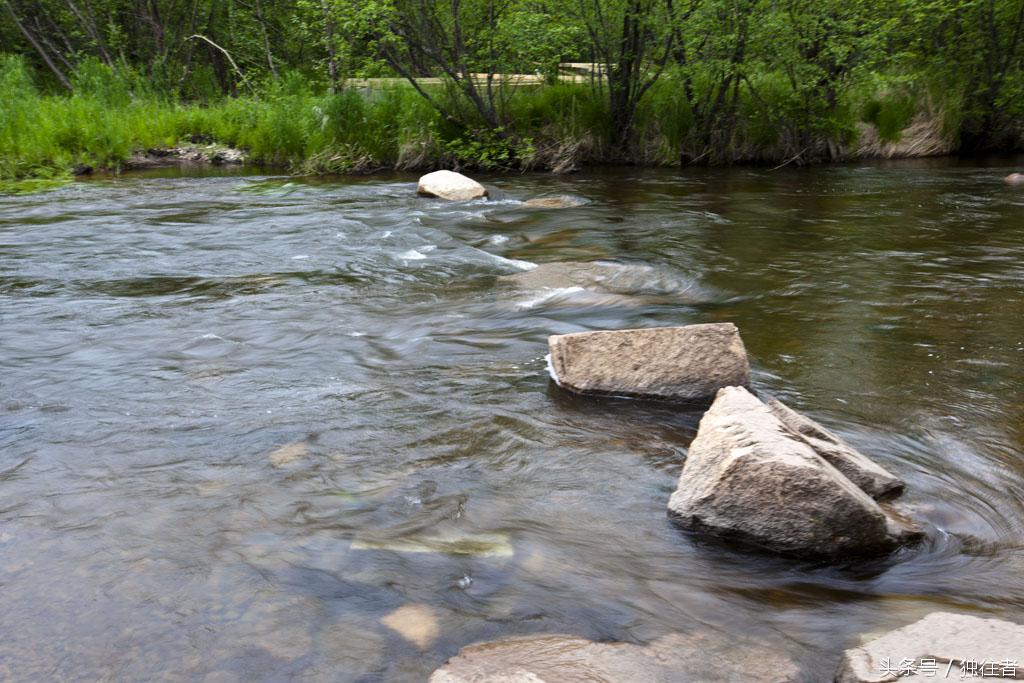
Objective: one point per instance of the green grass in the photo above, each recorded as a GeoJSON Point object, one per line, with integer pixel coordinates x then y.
{"type": "Point", "coordinates": [112, 115]}
{"type": "Point", "coordinates": [45, 137]}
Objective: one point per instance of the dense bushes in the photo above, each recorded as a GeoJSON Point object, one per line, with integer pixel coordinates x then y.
{"type": "Point", "coordinates": [292, 123]}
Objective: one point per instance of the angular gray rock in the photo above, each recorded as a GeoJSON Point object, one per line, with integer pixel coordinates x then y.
{"type": "Point", "coordinates": [676, 363]}
{"type": "Point", "coordinates": [748, 478]}
{"type": "Point", "coordinates": [942, 638]}
{"type": "Point", "coordinates": [871, 477]}
{"type": "Point", "coordinates": [450, 185]}
{"type": "Point", "coordinates": [675, 658]}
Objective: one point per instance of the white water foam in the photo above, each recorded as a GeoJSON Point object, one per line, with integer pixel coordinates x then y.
{"type": "Point", "coordinates": [417, 254]}
{"type": "Point", "coordinates": [548, 295]}
{"type": "Point", "coordinates": [512, 263]}
{"type": "Point", "coordinates": [551, 369]}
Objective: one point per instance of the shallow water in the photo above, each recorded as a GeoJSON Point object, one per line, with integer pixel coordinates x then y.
{"type": "Point", "coordinates": [245, 419]}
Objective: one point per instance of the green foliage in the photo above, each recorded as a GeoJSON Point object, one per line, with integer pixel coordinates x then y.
{"type": "Point", "coordinates": [532, 40]}
{"type": "Point", "coordinates": [676, 81]}
{"type": "Point", "coordinates": [491, 150]}
{"type": "Point", "coordinates": [890, 115]}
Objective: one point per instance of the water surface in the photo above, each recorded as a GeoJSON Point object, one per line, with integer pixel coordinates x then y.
{"type": "Point", "coordinates": [245, 419]}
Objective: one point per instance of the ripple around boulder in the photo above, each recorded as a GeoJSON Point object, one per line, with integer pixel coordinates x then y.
{"type": "Point", "coordinates": [562, 201]}
{"type": "Point", "coordinates": [687, 364]}
{"type": "Point", "coordinates": [450, 185]}
{"type": "Point", "coordinates": [749, 478]}
{"type": "Point", "coordinates": [606, 276]}
{"type": "Point", "coordinates": [705, 656]}
{"type": "Point", "coordinates": [940, 641]}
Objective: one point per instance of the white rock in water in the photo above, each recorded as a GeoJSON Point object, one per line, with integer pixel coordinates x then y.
{"type": "Point", "coordinates": [450, 185]}
{"type": "Point", "coordinates": [750, 479]}
{"type": "Point", "coordinates": [944, 639]}
{"type": "Point", "coordinates": [675, 363]}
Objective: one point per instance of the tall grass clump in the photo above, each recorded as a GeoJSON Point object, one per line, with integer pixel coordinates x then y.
{"type": "Point", "coordinates": [99, 125]}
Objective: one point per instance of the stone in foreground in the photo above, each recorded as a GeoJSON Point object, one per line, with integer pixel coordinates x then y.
{"type": "Point", "coordinates": [941, 637]}
{"type": "Point", "coordinates": [450, 185]}
{"type": "Point", "coordinates": [871, 477]}
{"type": "Point", "coordinates": [1014, 179]}
{"type": "Point", "coordinates": [675, 658]}
{"type": "Point", "coordinates": [749, 479]}
{"type": "Point", "coordinates": [686, 364]}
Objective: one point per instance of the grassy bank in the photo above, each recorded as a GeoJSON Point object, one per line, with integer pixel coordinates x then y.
{"type": "Point", "coordinates": [111, 116]}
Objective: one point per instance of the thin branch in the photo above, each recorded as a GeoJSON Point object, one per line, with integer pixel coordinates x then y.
{"type": "Point", "coordinates": [226, 54]}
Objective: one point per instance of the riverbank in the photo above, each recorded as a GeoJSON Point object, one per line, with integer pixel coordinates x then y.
{"type": "Point", "coordinates": [46, 139]}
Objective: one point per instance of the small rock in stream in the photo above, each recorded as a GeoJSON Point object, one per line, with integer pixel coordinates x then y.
{"type": "Point", "coordinates": [450, 185]}
{"type": "Point", "coordinates": [474, 545]}
{"type": "Point", "coordinates": [562, 201]}
{"type": "Point", "coordinates": [416, 623]}
{"type": "Point", "coordinates": [287, 454]}
{"type": "Point", "coordinates": [605, 276]}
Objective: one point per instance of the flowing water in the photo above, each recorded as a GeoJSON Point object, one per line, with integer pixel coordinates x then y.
{"type": "Point", "coordinates": [244, 420]}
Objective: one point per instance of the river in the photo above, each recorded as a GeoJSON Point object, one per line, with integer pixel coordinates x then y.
{"type": "Point", "coordinates": [244, 419]}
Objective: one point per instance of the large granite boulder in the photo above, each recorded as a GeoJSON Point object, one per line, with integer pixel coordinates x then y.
{"type": "Point", "coordinates": [676, 658]}
{"type": "Point", "coordinates": [749, 478]}
{"type": "Point", "coordinates": [963, 645]}
{"type": "Point", "coordinates": [450, 185]}
{"type": "Point", "coordinates": [871, 477]}
{"type": "Point", "coordinates": [688, 364]}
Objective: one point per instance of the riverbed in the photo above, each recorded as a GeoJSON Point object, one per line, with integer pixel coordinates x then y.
{"type": "Point", "coordinates": [246, 419]}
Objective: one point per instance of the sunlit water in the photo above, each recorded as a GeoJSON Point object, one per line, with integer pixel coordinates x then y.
{"type": "Point", "coordinates": [244, 419]}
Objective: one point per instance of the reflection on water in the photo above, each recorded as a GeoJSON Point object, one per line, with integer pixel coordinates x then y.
{"type": "Point", "coordinates": [256, 428]}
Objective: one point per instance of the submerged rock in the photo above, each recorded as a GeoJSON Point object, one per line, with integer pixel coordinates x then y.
{"type": "Point", "coordinates": [475, 545]}
{"type": "Point", "coordinates": [676, 363]}
{"type": "Point", "coordinates": [705, 657]}
{"type": "Point", "coordinates": [750, 479]}
{"type": "Point", "coordinates": [562, 201]}
{"type": "Point", "coordinates": [416, 623]}
{"type": "Point", "coordinates": [287, 454]}
{"type": "Point", "coordinates": [871, 477]}
{"type": "Point", "coordinates": [1014, 179]}
{"type": "Point", "coordinates": [940, 641]}
{"type": "Point", "coordinates": [450, 185]}
{"type": "Point", "coordinates": [604, 276]}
